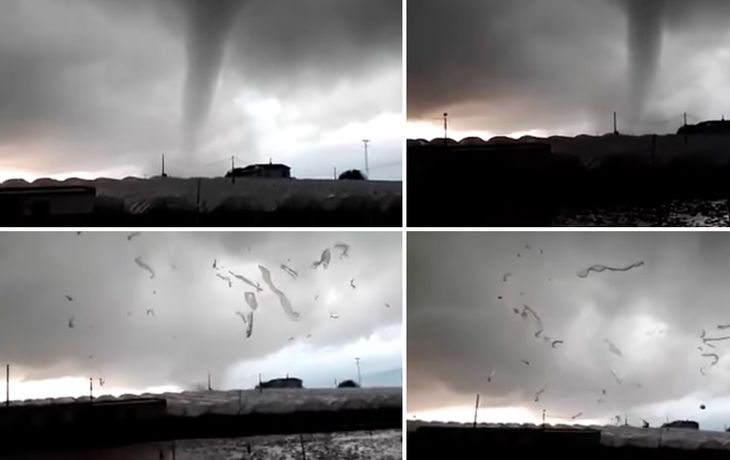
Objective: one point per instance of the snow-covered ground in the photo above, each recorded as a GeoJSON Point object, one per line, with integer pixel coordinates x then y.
{"type": "Point", "coordinates": [269, 401]}
{"type": "Point", "coordinates": [138, 196]}
{"type": "Point", "coordinates": [621, 436]}
{"type": "Point", "coordinates": [361, 445]}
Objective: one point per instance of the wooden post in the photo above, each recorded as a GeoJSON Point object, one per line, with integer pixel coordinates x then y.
{"type": "Point", "coordinates": [615, 124]}
{"type": "Point", "coordinates": [91, 388]}
{"type": "Point", "coordinates": [476, 410]}
{"type": "Point", "coordinates": [7, 385]}
{"type": "Point", "coordinates": [301, 440]}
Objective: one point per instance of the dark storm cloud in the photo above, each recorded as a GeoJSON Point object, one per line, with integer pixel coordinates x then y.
{"type": "Point", "coordinates": [520, 65]}
{"type": "Point", "coordinates": [640, 327]}
{"type": "Point", "coordinates": [140, 331]}
{"type": "Point", "coordinates": [102, 84]}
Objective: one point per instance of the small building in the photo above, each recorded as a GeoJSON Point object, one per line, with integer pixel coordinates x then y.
{"type": "Point", "coordinates": [288, 382]}
{"type": "Point", "coordinates": [687, 424]}
{"type": "Point", "coordinates": [715, 127]}
{"type": "Point", "coordinates": [264, 171]}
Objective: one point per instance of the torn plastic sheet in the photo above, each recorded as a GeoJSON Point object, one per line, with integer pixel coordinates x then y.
{"type": "Point", "coordinates": [525, 362]}
{"type": "Point", "coordinates": [249, 324]}
{"type": "Point", "coordinates": [618, 380]}
{"type": "Point", "coordinates": [613, 348]}
{"type": "Point", "coordinates": [225, 278]}
{"type": "Point", "coordinates": [324, 260]}
{"type": "Point", "coordinates": [491, 375]}
{"type": "Point", "coordinates": [242, 316]}
{"type": "Point", "coordinates": [598, 268]}
{"type": "Point", "coordinates": [69, 298]}
{"type": "Point", "coordinates": [143, 265]}
{"type": "Point", "coordinates": [283, 300]}
{"type": "Point", "coordinates": [539, 393]}
{"type": "Point", "coordinates": [345, 248]}
{"type": "Point", "coordinates": [132, 235]}
{"type": "Point", "coordinates": [290, 271]}
{"type": "Point", "coordinates": [256, 286]}
{"type": "Point", "coordinates": [723, 326]}
{"type": "Point", "coordinates": [150, 312]}
{"type": "Point", "coordinates": [715, 339]}
{"type": "Point", "coordinates": [251, 300]}
{"type": "Point", "coordinates": [505, 276]}
{"type": "Point", "coordinates": [576, 415]}
{"type": "Point", "coordinates": [556, 342]}
{"type": "Point", "coordinates": [715, 357]}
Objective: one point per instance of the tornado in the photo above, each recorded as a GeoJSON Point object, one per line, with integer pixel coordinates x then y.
{"type": "Point", "coordinates": [645, 32]}
{"type": "Point", "coordinates": [208, 30]}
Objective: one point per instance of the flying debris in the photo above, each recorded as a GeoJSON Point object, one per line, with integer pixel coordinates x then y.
{"type": "Point", "coordinates": [345, 248]}
{"type": "Point", "coordinates": [290, 271]}
{"type": "Point", "coordinates": [516, 310]}
{"type": "Point", "coordinates": [644, 423]}
{"type": "Point", "coordinates": [700, 349]}
{"type": "Point", "coordinates": [144, 266]}
{"type": "Point", "coordinates": [69, 298]}
{"type": "Point", "coordinates": [519, 256]}
{"type": "Point", "coordinates": [101, 382]}
{"type": "Point", "coordinates": [546, 339]}
{"type": "Point", "coordinates": [703, 334]}
{"type": "Point", "coordinates": [249, 324]}
{"type": "Point", "coordinates": [291, 339]}
{"type": "Point", "coordinates": [711, 345]}
{"type": "Point", "coordinates": [489, 379]}
{"type": "Point", "coordinates": [603, 391]}
{"type": "Point", "coordinates": [601, 268]}
{"type": "Point", "coordinates": [242, 316]}
{"type": "Point", "coordinates": [527, 246]}
{"type": "Point", "coordinates": [324, 260]}
{"type": "Point", "coordinates": [387, 305]}
{"type": "Point", "coordinates": [618, 380]}
{"type": "Point", "coordinates": [541, 251]}
{"type": "Point", "coordinates": [283, 300]}
{"type": "Point", "coordinates": [132, 235]}
{"type": "Point", "coordinates": [505, 276]}
{"type": "Point", "coordinates": [256, 286]}
{"type": "Point", "coordinates": [525, 362]}
{"type": "Point", "coordinates": [715, 339]}
{"type": "Point", "coordinates": [71, 322]}
{"type": "Point", "coordinates": [215, 264]}
{"type": "Point", "coordinates": [225, 278]}
{"type": "Point", "coordinates": [703, 407]}
{"type": "Point", "coordinates": [702, 371]}
{"type": "Point", "coordinates": [334, 316]}
{"type": "Point", "coordinates": [352, 283]}
{"type": "Point", "coordinates": [537, 334]}
{"type": "Point", "coordinates": [723, 326]}
{"type": "Point", "coordinates": [499, 297]}
{"type": "Point", "coordinates": [251, 300]}
{"type": "Point", "coordinates": [600, 401]}
{"type": "Point", "coordinates": [715, 357]}
{"type": "Point", "coordinates": [556, 342]}
{"type": "Point", "coordinates": [576, 415]}
{"type": "Point", "coordinates": [150, 312]}
{"type": "Point", "coordinates": [537, 395]}
{"type": "Point", "coordinates": [316, 297]}
{"type": "Point", "coordinates": [613, 348]}
{"type": "Point", "coordinates": [154, 292]}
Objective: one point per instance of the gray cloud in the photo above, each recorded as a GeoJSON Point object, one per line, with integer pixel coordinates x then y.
{"type": "Point", "coordinates": [107, 86]}
{"type": "Point", "coordinates": [565, 65]}
{"type": "Point", "coordinates": [194, 329]}
{"type": "Point", "coordinates": [460, 330]}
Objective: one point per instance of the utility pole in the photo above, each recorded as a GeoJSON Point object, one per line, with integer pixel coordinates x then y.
{"type": "Point", "coordinates": [615, 124]}
{"type": "Point", "coordinates": [233, 167]}
{"type": "Point", "coordinates": [7, 385]}
{"type": "Point", "coordinates": [446, 127]}
{"type": "Point", "coordinates": [163, 166]}
{"type": "Point", "coordinates": [334, 173]}
{"type": "Point", "coordinates": [685, 118]}
{"type": "Point", "coordinates": [359, 377]}
{"type": "Point", "coordinates": [91, 388]}
{"type": "Point", "coordinates": [367, 166]}
{"type": "Point", "coordinates": [209, 387]}
{"type": "Point", "coordinates": [476, 410]}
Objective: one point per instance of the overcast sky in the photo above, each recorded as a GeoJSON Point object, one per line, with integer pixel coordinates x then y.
{"type": "Point", "coordinates": [103, 87]}
{"type": "Point", "coordinates": [563, 66]}
{"type": "Point", "coordinates": [460, 331]}
{"type": "Point", "coordinates": [194, 328]}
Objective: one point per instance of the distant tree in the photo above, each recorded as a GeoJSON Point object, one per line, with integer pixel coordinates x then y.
{"type": "Point", "coordinates": [353, 174]}
{"type": "Point", "coordinates": [348, 384]}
